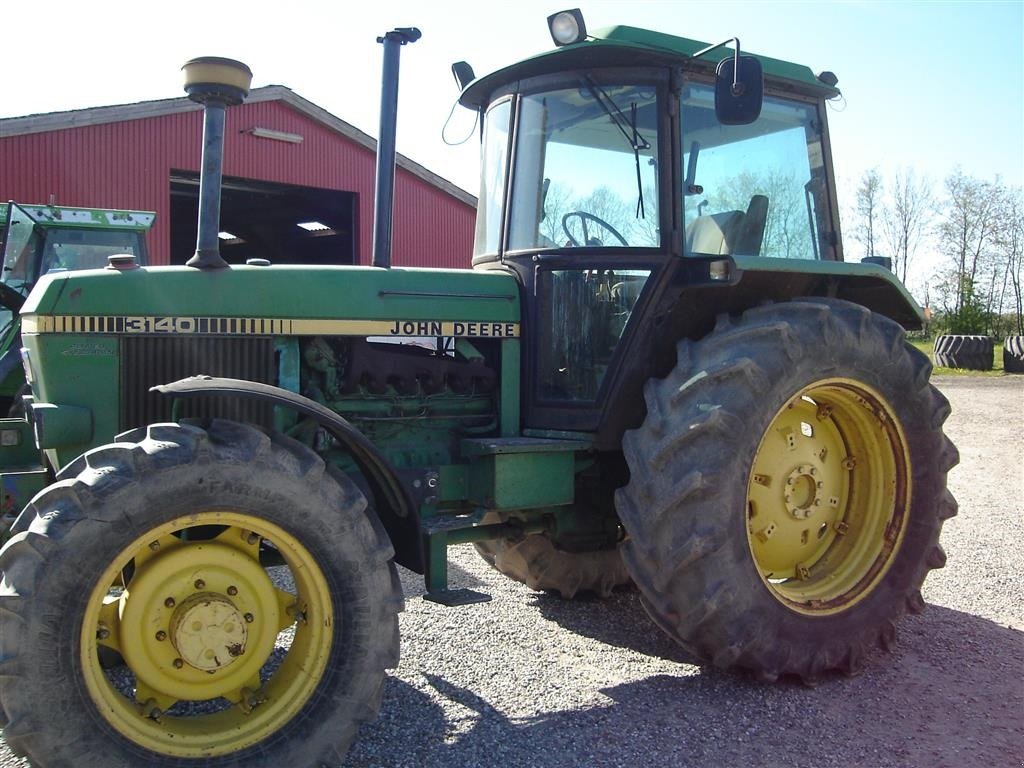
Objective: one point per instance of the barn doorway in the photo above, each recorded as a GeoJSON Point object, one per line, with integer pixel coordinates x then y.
{"type": "Point", "coordinates": [283, 223]}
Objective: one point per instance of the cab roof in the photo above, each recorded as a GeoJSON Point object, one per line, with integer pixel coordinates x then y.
{"type": "Point", "coordinates": [54, 216]}
{"type": "Point", "coordinates": [620, 46]}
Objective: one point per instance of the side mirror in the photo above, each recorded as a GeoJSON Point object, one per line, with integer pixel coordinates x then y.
{"type": "Point", "coordinates": [463, 74]}
{"type": "Point", "coordinates": [739, 90]}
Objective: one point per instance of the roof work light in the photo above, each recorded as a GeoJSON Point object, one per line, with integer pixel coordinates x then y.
{"type": "Point", "coordinates": [567, 27]}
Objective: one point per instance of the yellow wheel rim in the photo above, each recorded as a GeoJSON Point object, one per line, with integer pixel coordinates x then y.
{"type": "Point", "coordinates": [827, 497]}
{"type": "Point", "coordinates": [198, 622]}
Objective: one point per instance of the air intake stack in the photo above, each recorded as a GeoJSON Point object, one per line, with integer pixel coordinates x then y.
{"type": "Point", "coordinates": [217, 84]}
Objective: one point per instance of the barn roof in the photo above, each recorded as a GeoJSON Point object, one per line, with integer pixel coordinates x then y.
{"type": "Point", "coordinates": [78, 118]}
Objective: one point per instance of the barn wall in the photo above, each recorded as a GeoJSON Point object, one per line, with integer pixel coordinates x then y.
{"type": "Point", "coordinates": [127, 164]}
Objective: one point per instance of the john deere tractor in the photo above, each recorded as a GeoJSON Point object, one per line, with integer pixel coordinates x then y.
{"type": "Point", "coordinates": [659, 372]}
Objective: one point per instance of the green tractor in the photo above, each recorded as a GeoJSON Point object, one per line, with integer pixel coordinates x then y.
{"type": "Point", "coordinates": [659, 372]}
{"type": "Point", "coordinates": [35, 239]}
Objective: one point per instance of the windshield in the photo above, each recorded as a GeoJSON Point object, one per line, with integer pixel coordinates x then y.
{"type": "Point", "coordinates": [753, 190]}
{"type": "Point", "coordinates": [586, 163]}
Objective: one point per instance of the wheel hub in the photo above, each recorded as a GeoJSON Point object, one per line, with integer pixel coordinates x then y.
{"type": "Point", "coordinates": [208, 631]}
{"type": "Point", "coordinates": [198, 620]}
{"type": "Point", "coordinates": [801, 493]}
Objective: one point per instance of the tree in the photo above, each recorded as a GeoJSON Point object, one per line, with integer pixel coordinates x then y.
{"type": "Point", "coordinates": [906, 218]}
{"type": "Point", "coordinates": [606, 205]}
{"type": "Point", "coordinates": [968, 229]}
{"type": "Point", "coordinates": [867, 210]}
{"type": "Point", "coordinates": [1009, 241]}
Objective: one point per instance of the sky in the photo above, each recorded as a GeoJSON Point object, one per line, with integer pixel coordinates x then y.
{"type": "Point", "coordinates": [932, 86]}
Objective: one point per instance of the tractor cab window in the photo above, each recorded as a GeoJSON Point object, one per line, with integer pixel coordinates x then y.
{"type": "Point", "coordinates": [580, 326]}
{"type": "Point", "coordinates": [586, 168]}
{"type": "Point", "coordinates": [753, 190]}
{"type": "Point", "coordinates": [494, 167]}
{"type": "Point", "coordinates": [88, 249]}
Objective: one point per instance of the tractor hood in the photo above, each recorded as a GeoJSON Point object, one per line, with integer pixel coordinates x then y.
{"type": "Point", "coordinates": [246, 300]}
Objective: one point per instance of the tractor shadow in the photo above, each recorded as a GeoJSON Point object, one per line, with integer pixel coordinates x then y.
{"type": "Point", "coordinates": [619, 620]}
{"type": "Point", "coordinates": [950, 695]}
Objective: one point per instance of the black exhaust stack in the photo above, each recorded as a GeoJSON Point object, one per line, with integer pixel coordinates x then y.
{"type": "Point", "coordinates": [217, 84]}
{"type": "Point", "coordinates": [385, 183]}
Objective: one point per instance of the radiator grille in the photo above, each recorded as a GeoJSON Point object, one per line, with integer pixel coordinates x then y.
{"type": "Point", "coordinates": [150, 360]}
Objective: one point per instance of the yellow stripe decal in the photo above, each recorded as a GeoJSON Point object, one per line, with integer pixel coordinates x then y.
{"type": "Point", "coordinates": [245, 326]}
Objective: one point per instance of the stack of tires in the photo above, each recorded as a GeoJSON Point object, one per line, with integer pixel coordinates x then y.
{"type": "Point", "coordinates": [974, 353]}
{"type": "Point", "coordinates": [1013, 354]}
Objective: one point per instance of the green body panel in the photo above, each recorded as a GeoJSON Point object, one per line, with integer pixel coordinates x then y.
{"type": "Point", "coordinates": [521, 473]}
{"type": "Point", "coordinates": [17, 444]}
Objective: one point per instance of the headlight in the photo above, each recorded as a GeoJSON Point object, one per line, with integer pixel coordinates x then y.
{"type": "Point", "coordinates": [567, 27]}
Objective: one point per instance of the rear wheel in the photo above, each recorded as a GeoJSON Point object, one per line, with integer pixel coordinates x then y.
{"type": "Point", "coordinates": [154, 550]}
{"type": "Point", "coordinates": [787, 489]}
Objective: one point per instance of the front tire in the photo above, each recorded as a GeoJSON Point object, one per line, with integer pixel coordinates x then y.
{"type": "Point", "coordinates": [787, 489]}
{"type": "Point", "coordinates": [153, 549]}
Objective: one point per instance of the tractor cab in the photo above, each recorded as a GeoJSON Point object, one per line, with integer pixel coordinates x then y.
{"type": "Point", "coordinates": [625, 162]}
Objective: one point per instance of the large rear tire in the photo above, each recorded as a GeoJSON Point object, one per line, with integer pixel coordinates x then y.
{"type": "Point", "coordinates": [787, 489]}
{"type": "Point", "coordinates": [972, 353]}
{"type": "Point", "coordinates": [153, 549]}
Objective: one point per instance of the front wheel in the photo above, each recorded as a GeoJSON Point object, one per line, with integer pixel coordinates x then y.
{"type": "Point", "coordinates": [168, 552]}
{"type": "Point", "coordinates": [787, 489]}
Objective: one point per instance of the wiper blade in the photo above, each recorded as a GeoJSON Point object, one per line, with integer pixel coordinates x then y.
{"type": "Point", "coordinates": [629, 130]}
{"type": "Point", "coordinates": [632, 135]}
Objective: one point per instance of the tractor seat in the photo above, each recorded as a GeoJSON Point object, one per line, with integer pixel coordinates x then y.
{"type": "Point", "coordinates": [730, 232]}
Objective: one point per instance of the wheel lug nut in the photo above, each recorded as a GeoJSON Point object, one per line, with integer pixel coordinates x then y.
{"type": "Point", "coordinates": [102, 633]}
{"type": "Point", "coordinates": [200, 584]}
{"type": "Point", "coordinates": [252, 538]}
{"type": "Point", "coordinates": [232, 591]}
{"type": "Point", "coordinates": [154, 545]}
{"type": "Point", "coordinates": [249, 618]}
{"type": "Point", "coordinates": [169, 602]}
{"type": "Point", "coordinates": [178, 663]}
{"type": "Point", "coordinates": [161, 635]}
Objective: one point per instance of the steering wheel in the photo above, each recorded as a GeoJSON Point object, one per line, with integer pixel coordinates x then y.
{"type": "Point", "coordinates": [584, 217]}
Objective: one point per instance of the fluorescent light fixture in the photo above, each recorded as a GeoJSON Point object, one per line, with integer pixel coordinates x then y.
{"type": "Point", "coordinates": [270, 133]}
{"type": "Point", "coordinates": [227, 236]}
{"type": "Point", "coordinates": [313, 226]}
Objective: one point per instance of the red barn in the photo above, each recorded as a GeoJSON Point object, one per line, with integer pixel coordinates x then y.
{"type": "Point", "coordinates": [298, 181]}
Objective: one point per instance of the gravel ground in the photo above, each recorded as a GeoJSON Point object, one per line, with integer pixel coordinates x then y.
{"type": "Point", "coordinates": [531, 680]}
